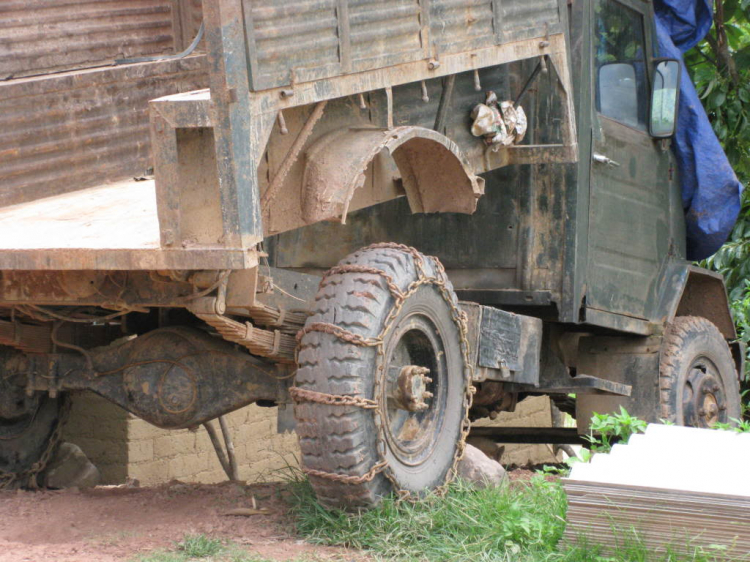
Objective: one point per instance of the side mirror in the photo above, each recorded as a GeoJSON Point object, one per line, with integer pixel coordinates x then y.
{"type": "Point", "coordinates": [664, 97]}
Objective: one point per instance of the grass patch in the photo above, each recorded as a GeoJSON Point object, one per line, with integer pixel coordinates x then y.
{"type": "Point", "coordinates": [520, 523]}
{"type": "Point", "coordinates": [201, 548]}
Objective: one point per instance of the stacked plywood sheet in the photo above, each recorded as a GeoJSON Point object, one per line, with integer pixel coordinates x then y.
{"type": "Point", "coordinates": [674, 488]}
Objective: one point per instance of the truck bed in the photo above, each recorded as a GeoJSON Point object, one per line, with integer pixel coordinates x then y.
{"type": "Point", "coordinates": [114, 226]}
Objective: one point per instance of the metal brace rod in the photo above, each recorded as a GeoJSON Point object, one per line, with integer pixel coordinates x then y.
{"type": "Point", "coordinates": [445, 103]}
{"type": "Point", "coordinates": [541, 65]}
{"type": "Point", "coordinates": [228, 459]}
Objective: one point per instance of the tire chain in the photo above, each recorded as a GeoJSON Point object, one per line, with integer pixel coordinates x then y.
{"type": "Point", "coordinates": [459, 318]}
{"type": "Point", "coordinates": [28, 477]}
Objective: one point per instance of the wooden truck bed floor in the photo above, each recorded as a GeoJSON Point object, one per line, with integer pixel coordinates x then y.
{"type": "Point", "coordinates": [109, 227]}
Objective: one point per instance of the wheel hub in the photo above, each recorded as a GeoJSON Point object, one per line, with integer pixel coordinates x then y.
{"type": "Point", "coordinates": [410, 392]}
{"type": "Point", "coordinates": [704, 398]}
{"type": "Point", "coordinates": [414, 400]}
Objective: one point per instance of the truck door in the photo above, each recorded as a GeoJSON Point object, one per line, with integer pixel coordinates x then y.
{"type": "Point", "coordinates": [629, 188]}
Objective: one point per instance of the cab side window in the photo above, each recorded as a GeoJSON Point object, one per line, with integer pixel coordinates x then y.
{"type": "Point", "coordinates": [620, 64]}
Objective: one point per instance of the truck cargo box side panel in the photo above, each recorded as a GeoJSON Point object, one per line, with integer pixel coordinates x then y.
{"type": "Point", "coordinates": [68, 131]}
{"type": "Point", "coordinates": [314, 39]}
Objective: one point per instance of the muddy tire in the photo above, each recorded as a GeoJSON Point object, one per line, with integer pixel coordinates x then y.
{"type": "Point", "coordinates": [25, 440]}
{"type": "Point", "coordinates": [418, 445]}
{"type": "Point", "coordinates": [697, 376]}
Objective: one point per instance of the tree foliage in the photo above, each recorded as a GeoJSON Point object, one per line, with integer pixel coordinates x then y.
{"type": "Point", "coordinates": [720, 68]}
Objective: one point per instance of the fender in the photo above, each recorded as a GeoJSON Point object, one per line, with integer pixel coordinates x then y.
{"type": "Point", "coordinates": [436, 176]}
{"type": "Point", "coordinates": [695, 291]}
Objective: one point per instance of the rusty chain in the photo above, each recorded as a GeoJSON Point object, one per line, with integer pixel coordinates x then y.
{"type": "Point", "coordinates": [400, 297]}
{"type": "Point", "coordinates": [28, 477]}
{"type": "Point", "coordinates": [340, 333]}
{"type": "Point", "coordinates": [346, 479]}
{"type": "Point", "coordinates": [304, 395]}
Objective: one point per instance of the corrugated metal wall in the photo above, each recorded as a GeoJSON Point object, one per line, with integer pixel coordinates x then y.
{"type": "Point", "coordinates": [39, 35]}
{"type": "Point", "coordinates": [65, 132]}
{"type": "Point", "coordinates": [68, 130]}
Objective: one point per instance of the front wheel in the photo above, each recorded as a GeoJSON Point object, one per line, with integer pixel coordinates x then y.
{"type": "Point", "coordinates": [698, 380]}
{"type": "Point", "coordinates": [383, 388]}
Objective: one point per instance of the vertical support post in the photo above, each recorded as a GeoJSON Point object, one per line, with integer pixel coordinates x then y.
{"type": "Point", "coordinates": [164, 149]}
{"type": "Point", "coordinates": [237, 150]}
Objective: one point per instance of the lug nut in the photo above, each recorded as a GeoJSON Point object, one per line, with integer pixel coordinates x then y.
{"type": "Point", "coordinates": [427, 380]}
{"type": "Point", "coordinates": [427, 395]}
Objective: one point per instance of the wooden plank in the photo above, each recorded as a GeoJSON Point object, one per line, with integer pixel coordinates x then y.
{"type": "Point", "coordinates": [652, 491]}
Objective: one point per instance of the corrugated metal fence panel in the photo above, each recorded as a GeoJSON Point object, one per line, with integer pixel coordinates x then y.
{"type": "Point", "coordinates": [40, 35]}
{"type": "Point", "coordinates": [74, 130]}
{"type": "Point", "coordinates": [299, 36]}
{"type": "Point", "coordinates": [461, 25]}
{"type": "Point", "coordinates": [384, 32]}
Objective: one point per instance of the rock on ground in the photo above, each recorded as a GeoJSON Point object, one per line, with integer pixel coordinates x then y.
{"type": "Point", "coordinates": [478, 468]}
{"type": "Point", "coordinates": [71, 468]}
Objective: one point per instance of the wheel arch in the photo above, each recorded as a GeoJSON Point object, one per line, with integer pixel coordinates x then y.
{"type": "Point", "coordinates": [436, 175]}
{"type": "Point", "coordinates": [700, 292]}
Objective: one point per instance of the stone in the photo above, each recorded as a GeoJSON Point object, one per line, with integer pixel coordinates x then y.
{"type": "Point", "coordinates": [71, 468]}
{"type": "Point", "coordinates": [488, 447]}
{"type": "Point", "coordinates": [479, 469]}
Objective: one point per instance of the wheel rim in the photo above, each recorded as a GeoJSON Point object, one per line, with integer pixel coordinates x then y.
{"type": "Point", "coordinates": [703, 395]}
{"type": "Point", "coordinates": [416, 346]}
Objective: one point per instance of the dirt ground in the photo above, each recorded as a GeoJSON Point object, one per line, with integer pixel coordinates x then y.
{"type": "Point", "coordinates": [119, 523]}
{"type": "Point", "coordinates": [108, 524]}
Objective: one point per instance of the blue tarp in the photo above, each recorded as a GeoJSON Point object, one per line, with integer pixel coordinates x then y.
{"type": "Point", "coordinates": [710, 189]}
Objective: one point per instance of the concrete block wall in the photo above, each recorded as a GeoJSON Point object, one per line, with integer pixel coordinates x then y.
{"type": "Point", "coordinates": [101, 429]}
{"type": "Point", "coordinates": [124, 447]}
{"type": "Point", "coordinates": [534, 411]}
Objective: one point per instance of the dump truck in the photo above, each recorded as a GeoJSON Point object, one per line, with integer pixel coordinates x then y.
{"type": "Point", "coordinates": [385, 219]}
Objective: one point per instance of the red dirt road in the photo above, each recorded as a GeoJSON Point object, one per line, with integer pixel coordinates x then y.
{"type": "Point", "coordinates": [116, 524]}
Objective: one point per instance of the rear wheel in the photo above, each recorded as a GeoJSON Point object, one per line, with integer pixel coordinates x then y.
{"type": "Point", "coordinates": [29, 430]}
{"type": "Point", "coordinates": [698, 379]}
{"type": "Point", "coordinates": [382, 387]}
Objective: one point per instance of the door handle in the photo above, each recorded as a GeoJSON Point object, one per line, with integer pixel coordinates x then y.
{"type": "Point", "coordinates": [601, 159]}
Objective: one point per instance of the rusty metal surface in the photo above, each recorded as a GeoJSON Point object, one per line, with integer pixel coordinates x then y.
{"type": "Point", "coordinates": [161, 376]}
{"type": "Point", "coordinates": [43, 35]}
{"type": "Point", "coordinates": [73, 130]}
